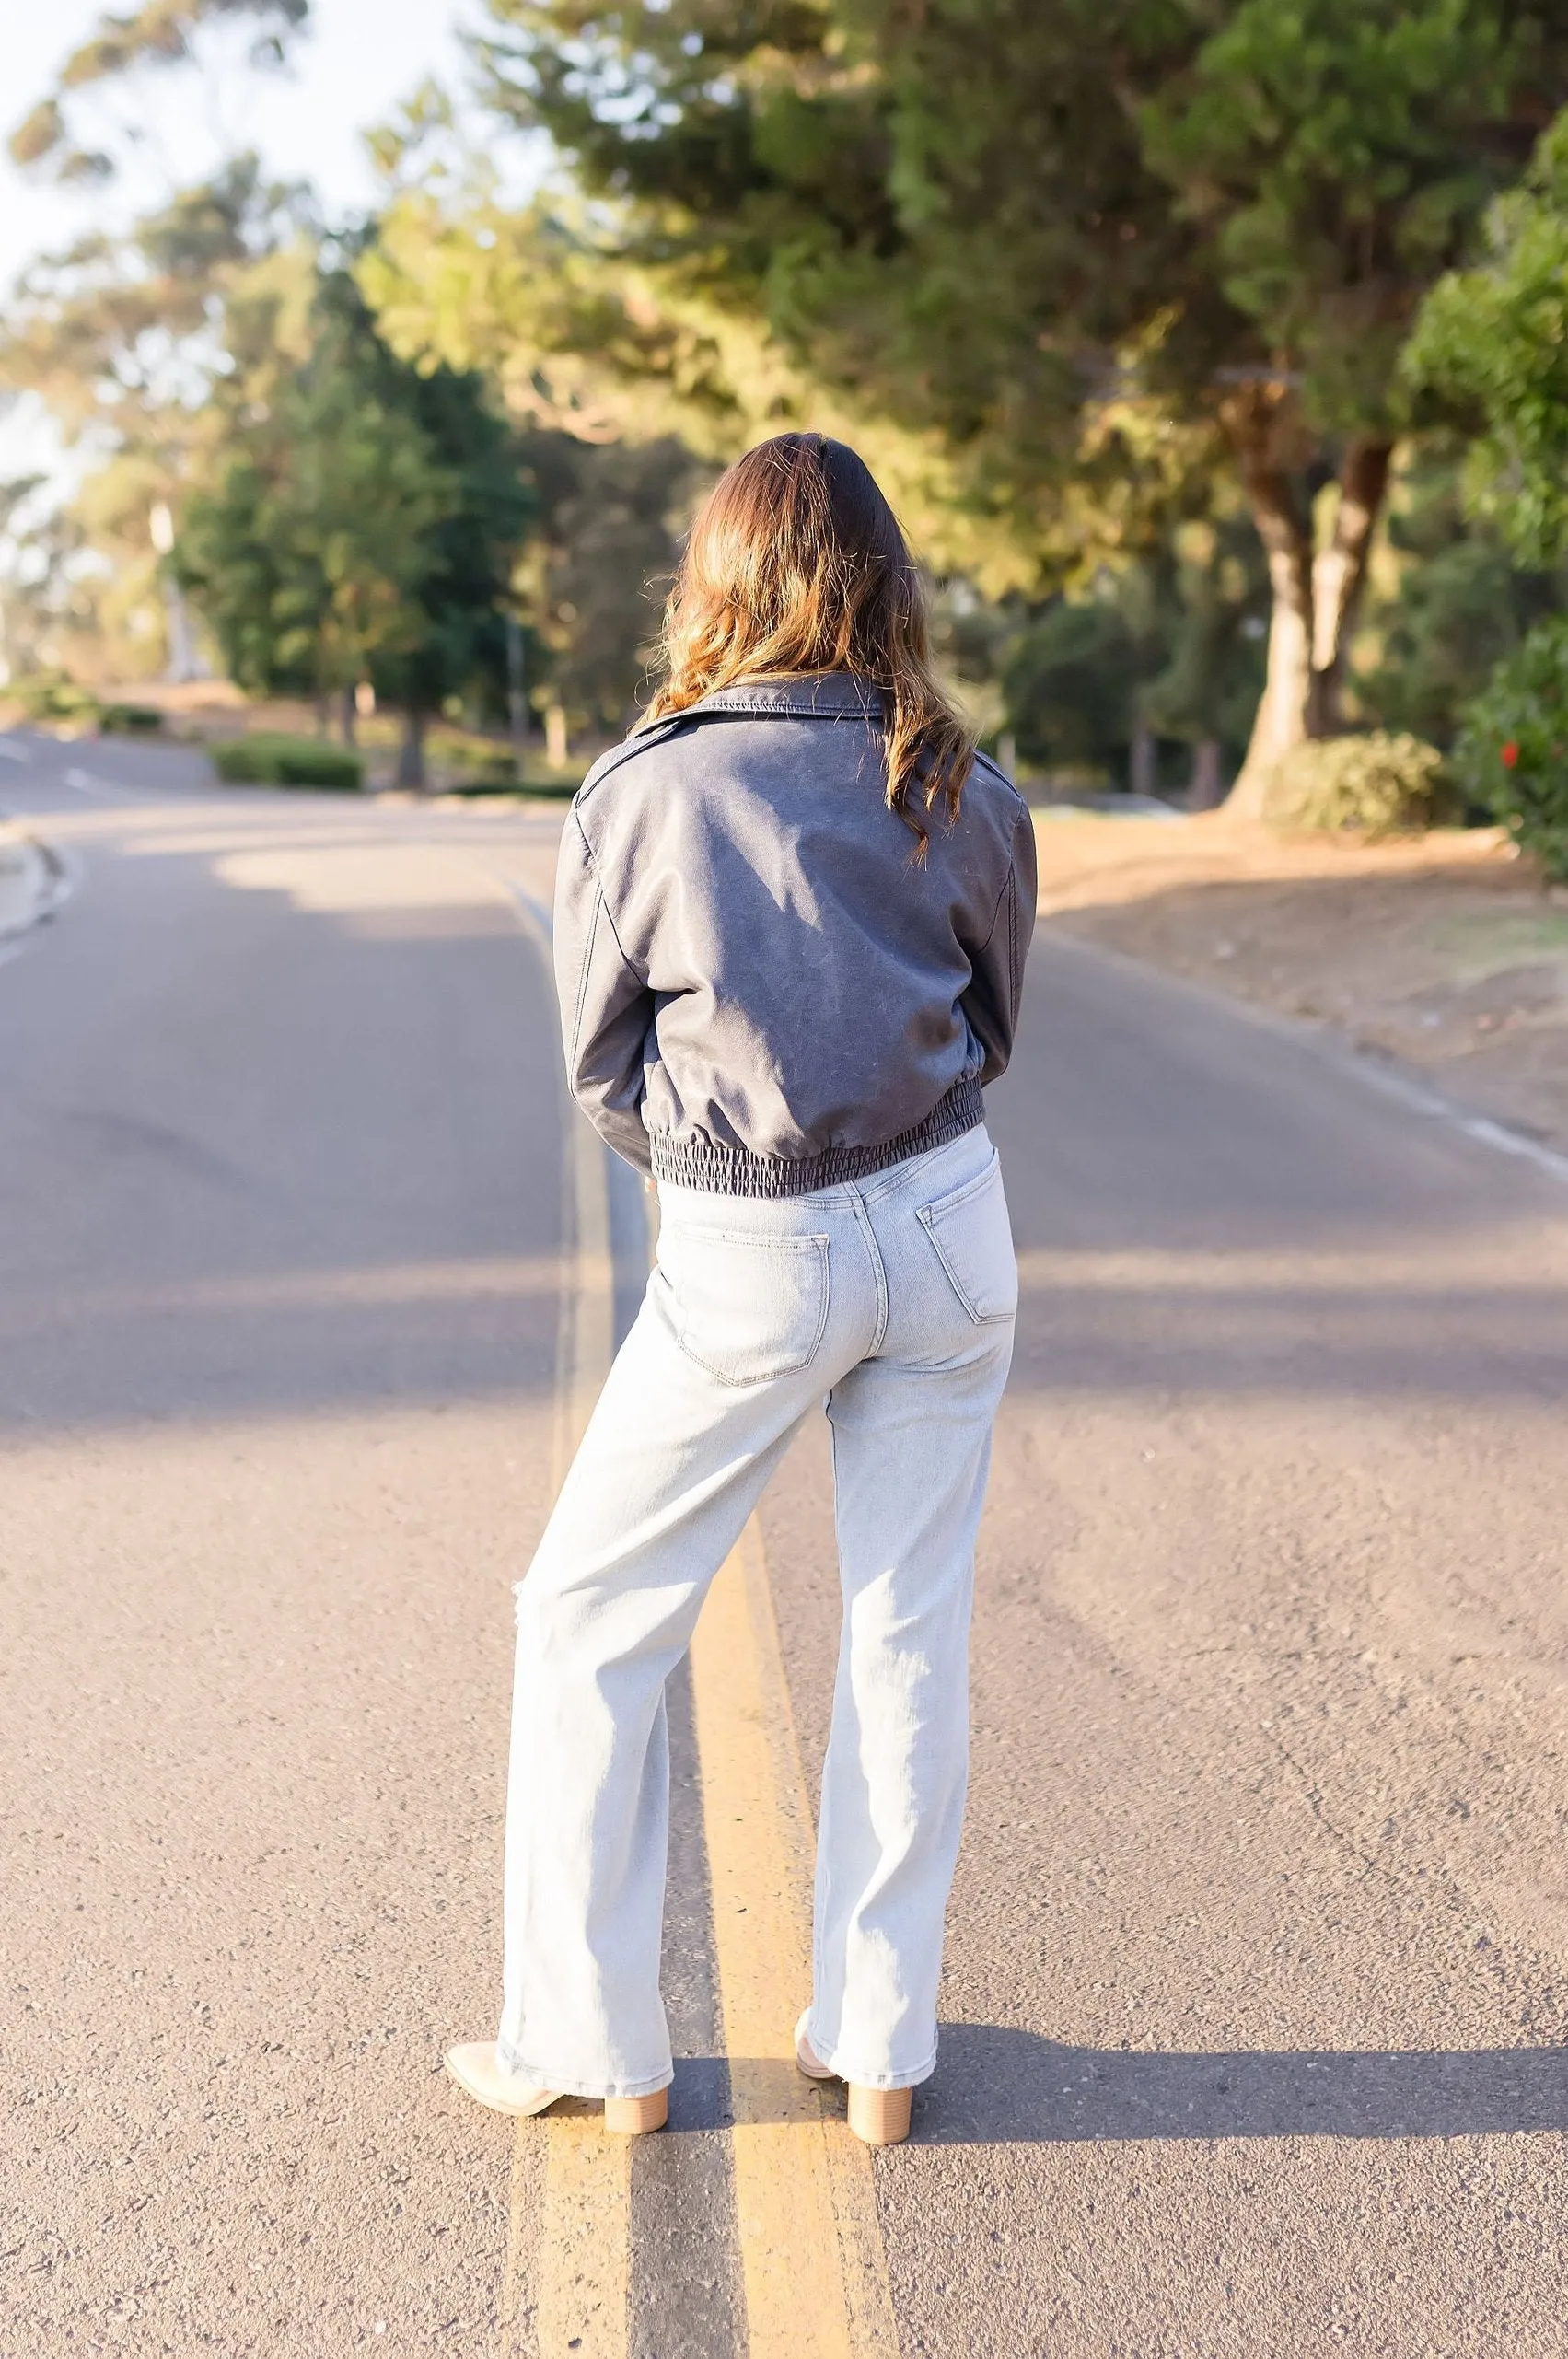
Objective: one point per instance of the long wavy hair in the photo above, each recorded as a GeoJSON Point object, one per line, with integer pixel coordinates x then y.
{"type": "Point", "coordinates": [797, 565]}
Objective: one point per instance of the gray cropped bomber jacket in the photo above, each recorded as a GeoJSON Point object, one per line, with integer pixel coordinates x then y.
{"type": "Point", "coordinates": [763, 993]}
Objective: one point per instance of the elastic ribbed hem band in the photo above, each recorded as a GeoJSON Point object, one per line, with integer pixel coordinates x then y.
{"type": "Point", "coordinates": [700, 1162]}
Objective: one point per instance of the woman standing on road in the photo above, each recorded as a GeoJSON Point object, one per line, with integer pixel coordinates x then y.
{"type": "Point", "coordinates": [791, 920]}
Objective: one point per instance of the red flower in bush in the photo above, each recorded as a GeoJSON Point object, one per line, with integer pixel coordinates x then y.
{"type": "Point", "coordinates": [1510, 754]}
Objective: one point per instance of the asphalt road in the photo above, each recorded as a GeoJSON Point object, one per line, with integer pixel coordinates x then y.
{"type": "Point", "coordinates": [1257, 2004]}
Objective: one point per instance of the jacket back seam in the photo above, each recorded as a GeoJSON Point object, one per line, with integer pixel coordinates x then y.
{"type": "Point", "coordinates": [584, 969]}
{"type": "Point", "coordinates": [630, 964]}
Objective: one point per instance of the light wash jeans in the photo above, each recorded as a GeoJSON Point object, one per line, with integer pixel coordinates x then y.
{"type": "Point", "coordinates": [894, 1297]}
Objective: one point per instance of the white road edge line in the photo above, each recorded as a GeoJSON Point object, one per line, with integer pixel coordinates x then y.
{"type": "Point", "coordinates": [1423, 1100]}
{"type": "Point", "coordinates": [1369, 1066]}
{"type": "Point", "coordinates": [99, 789]}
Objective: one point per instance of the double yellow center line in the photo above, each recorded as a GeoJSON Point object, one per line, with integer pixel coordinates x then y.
{"type": "Point", "coordinates": [813, 2270]}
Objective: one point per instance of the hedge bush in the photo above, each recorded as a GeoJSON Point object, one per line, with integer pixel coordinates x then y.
{"type": "Point", "coordinates": [1512, 753]}
{"type": "Point", "coordinates": [271, 761]}
{"type": "Point", "coordinates": [1376, 784]}
{"type": "Point", "coordinates": [484, 773]}
{"type": "Point", "coordinates": [52, 696]}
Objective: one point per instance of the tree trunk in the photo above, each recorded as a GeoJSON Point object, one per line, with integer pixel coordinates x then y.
{"type": "Point", "coordinates": [183, 661]}
{"type": "Point", "coordinates": [323, 716]}
{"type": "Point", "coordinates": [517, 695]}
{"type": "Point", "coordinates": [347, 710]}
{"type": "Point", "coordinates": [410, 753]}
{"type": "Point", "coordinates": [1338, 573]}
{"type": "Point", "coordinates": [1313, 596]}
{"type": "Point", "coordinates": [1205, 789]}
{"type": "Point", "coordinates": [1140, 768]}
{"type": "Point", "coordinates": [1259, 420]}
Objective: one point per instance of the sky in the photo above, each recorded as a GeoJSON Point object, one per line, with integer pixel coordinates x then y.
{"type": "Point", "coordinates": [351, 70]}
{"type": "Point", "coordinates": [360, 59]}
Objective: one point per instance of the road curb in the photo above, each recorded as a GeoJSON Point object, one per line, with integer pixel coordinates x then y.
{"type": "Point", "coordinates": [34, 881]}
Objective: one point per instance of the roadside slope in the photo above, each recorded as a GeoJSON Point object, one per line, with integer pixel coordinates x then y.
{"type": "Point", "coordinates": [1443, 951]}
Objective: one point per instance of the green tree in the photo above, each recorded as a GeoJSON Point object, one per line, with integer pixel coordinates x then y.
{"type": "Point", "coordinates": [1447, 602]}
{"type": "Point", "coordinates": [1335, 159]}
{"type": "Point", "coordinates": [364, 524]}
{"type": "Point", "coordinates": [1065, 683]}
{"type": "Point", "coordinates": [1151, 679]}
{"type": "Point", "coordinates": [306, 555]}
{"type": "Point", "coordinates": [1491, 345]}
{"type": "Point", "coordinates": [121, 334]}
{"type": "Point", "coordinates": [1211, 584]}
{"type": "Point", "coordinates": [138, 345]}
{"type": "Point", "coordinates": [338, 513]}
{"type": "Point", "coordinates": [43, 602]}
{"type": "Point", "coordinates": [602, 551]}
{"type": "Point", "coordinates": [1044, 261]}
{"type": "Point", "coordinates": [470, 553]}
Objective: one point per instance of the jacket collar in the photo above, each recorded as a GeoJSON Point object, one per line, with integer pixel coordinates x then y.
{"type": "Point", "coordinates": [823, 695]}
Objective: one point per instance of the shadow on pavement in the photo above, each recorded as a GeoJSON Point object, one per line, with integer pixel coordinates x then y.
{"type": "Point", "coordinates": [997, 2086]}
{"type": "Point", "coordinates": [264, 1156]}
{"type": "Point", "coordinates": [1255, 1336]}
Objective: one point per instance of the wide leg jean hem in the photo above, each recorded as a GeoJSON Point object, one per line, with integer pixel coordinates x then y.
{"type": "Point", "coordinates": [538, 2076]}
{"type": "Point", "coordinates": [843, 2066]}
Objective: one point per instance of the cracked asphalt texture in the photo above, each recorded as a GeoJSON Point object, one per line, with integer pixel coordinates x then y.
{"type": "Point", "coordinates": [1257, 2002]}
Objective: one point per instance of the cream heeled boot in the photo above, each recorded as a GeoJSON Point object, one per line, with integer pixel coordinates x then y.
{"type": "Point", "coordinates": [476, 2068]}
{"type": "Point", "coordinates": [880, 2117]}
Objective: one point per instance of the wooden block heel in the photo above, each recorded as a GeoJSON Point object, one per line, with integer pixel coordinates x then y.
{"type": "Point", "coordinates": [634, 2117]}
{"type": "Point", "coordinates": [880, 2116]}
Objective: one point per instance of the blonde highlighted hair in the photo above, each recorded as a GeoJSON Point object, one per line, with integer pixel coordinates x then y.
{"type": "Point", "coordinates": [797, 565]}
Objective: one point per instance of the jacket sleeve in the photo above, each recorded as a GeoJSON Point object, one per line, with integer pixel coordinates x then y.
{"type": "Point", "coordinates": [606, 1007]}
{"type": "Point", "coordinates": [997, 983]}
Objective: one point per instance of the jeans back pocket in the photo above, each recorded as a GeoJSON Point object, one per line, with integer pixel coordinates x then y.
{"type": "Point", "coordinates": [745, 1308]}
{"type": "Point", "coordinates": [974, 1242]}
